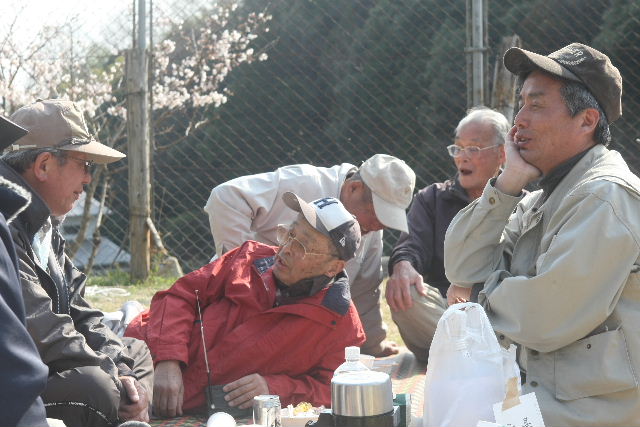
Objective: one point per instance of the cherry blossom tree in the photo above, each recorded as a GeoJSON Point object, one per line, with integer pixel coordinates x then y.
{"type": "Point", "coordinates": [190, 64]}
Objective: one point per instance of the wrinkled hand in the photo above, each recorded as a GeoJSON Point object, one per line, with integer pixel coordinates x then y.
{"type": "Point", "coordinates": [517, 171]}
{"type": "Point", "coordinates": [398, 291]}
{"type": "Point", "coordinates": [134, 401]}
{"type": "Point", "coordinates": [241, 392]}
{"type": "Point", "coordinates": [457, 294]}
{"type": "Point", "coordinates": [168, 389]}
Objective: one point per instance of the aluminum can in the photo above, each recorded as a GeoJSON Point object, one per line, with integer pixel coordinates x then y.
{"type": "Point", "coordinates": [266, 410]}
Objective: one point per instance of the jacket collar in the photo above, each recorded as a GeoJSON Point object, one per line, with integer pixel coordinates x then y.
{"type": "Point", "coordinates": [598, 163]}
{"type": "Point", "coordinates": [454, 190]}
{"type": "Point", "coordinates": [14, 198]}
{"type": "Point", "coordinates": [549, 182]}
{"type": "Point", "coordinates": [35, 214]}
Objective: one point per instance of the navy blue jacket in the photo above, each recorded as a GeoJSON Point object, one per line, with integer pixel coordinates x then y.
{"type": "Point", "coordinates": [429, 216]}
{"type": "Point", "coordinates": [23, 376]}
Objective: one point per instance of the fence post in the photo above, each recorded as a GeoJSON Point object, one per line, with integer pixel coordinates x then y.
{"type": "Point", "coordinates": [503, 96]}
{"type": "Point", "coordinates": [139, 152]}
{"type": "Point", "coordinates": [476, 29]}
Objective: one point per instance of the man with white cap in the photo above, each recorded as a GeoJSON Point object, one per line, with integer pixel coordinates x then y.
{"type": "Point", "coordinates": [377, 194]}
{"type": "Point", "coordinates": [558, 271]}
{"type": "Point", "coordinates": [275, 320]}
{"type": "Point", "coordinates": [95, 378]}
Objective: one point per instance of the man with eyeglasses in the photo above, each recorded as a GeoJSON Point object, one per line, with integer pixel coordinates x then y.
{"type": "Point", "coordinates": [417, 287]}
{"type": "Point", "coordinates": [95, 378]}
{"type": "Point", "coordinates": [377, 194]}
{"type": "Point", "coordinates": [276, 320]}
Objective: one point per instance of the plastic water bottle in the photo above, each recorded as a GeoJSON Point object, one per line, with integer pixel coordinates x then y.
{"type": "Point", "coordinates": [352, 361]}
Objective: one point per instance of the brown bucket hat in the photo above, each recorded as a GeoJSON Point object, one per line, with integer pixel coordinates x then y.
{"type": "Point", "coordinates": [579, 63]}
{"type": "Point", "coordinates": [60, 124]}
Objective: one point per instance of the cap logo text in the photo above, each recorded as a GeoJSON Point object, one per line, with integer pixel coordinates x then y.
{"type": "Point", "coordinates": [323, 203]}
{"type": "Point", "coordinates": [577, 54]}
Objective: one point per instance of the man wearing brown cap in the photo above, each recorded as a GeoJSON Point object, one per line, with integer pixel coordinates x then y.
{"type": "Point", "coordinates": [558, 271]}
{"type": "Point", "coordinates": [377, 194]}
{"type": "Point", "coordinates": [95, 378]}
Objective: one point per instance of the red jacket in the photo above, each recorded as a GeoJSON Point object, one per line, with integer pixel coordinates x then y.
{"type": "Point", "coordinates": [294, 347]}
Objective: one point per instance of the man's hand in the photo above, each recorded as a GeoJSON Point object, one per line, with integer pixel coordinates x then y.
{"type": "Point", "coordinates": [168, 389]}
{"type": "Point", "coordinates": [134, 401]}
{"type": "Point", "coordinates": [456, 294]}
{"type": "Point", "coordinates": [398, 291]}
{"type": "Point", "coordinates": [241, 392]}
{"type": "Point", "coordinates": [517, 172]}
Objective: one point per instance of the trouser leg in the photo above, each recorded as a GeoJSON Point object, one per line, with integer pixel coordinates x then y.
{"type": "Point", "coordinates": [85, 396]}
{"type": "Point", "coordinates": [368, 306]}
{"type": "Point", "coordinates": [418, 323]}
{"type": "Point", "coordinates": [89, 396]}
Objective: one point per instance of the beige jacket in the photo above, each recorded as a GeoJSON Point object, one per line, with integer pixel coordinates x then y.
{"type": "Point", "coordinates": [561, 280]}
{"type": "Point", "coordinates": [251, 207]}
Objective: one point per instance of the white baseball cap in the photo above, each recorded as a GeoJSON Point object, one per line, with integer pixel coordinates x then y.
{"type": "Point", "coordinates": [331, 218]}
{"type": "Point", "coordinates": [391, 182]}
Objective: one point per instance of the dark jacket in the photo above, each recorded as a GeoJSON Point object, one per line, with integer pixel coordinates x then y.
{"type": "Point", "coordinates": [430, 214]}
{"type": "Point", "coordinates": [23, 376]}
{"type": "Point", "coordinates": [66, 330]}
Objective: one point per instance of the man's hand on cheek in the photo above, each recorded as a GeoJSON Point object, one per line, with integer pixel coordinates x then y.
{"type": "Point", "coordinates": [517, 171]}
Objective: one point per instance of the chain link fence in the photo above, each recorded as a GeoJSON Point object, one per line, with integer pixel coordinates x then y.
{"type": "Point", "coordinates": [322, 82]}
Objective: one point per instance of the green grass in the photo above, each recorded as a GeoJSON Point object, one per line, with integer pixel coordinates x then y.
{"type": "Point", "coordinates": [144, 291]}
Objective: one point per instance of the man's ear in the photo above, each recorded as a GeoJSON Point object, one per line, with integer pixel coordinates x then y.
{"type": "Point", "coordinates": [42, 166]}
{"type": "Point", "coordinates": [353, 186]}
{"type": "Point", "coordinates": [503, 155]}
{"type": "Point", "coordinates": [334, 267]}
{"type": "Point", "coordinates": [590, 119]}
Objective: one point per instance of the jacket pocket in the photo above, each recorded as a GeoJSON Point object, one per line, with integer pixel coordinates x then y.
{"type": "Point", "coordinates": [594, 366]}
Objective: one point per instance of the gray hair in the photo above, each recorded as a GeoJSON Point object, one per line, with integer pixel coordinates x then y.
{"type": "Point", "coordinates": [482, 114]}
{"type": "Point", "coordinates": [21, 160]}
{"type": "Point", "coordinates": [578, 98]}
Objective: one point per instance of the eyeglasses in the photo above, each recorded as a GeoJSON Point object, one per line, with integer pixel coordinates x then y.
{"type": "Point", "coordinates": [457, 151]}
{"type": "Point", "coordinates": [88, 164]}
{"type": "Point", "coordinates": [284, 236]}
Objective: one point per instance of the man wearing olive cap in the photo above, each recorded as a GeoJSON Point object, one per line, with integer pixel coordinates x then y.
{"type": "Point", "coordinates": [558, 270]}
{"type": "Point", "coordinates": [95, 378]}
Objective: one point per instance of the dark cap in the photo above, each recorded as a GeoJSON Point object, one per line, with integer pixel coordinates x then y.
{"type": "Point", "coordinates": [579, 63]}
{"type": "Point", "coordinates": [10, 132]}
{"type": "Point", "coordinates": [60, 124]}
{"type": "Point", "coordinates": [331, 218]}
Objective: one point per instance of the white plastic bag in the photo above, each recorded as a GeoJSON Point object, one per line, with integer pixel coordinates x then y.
{"type": "Point", "coordinates": [467, 371]}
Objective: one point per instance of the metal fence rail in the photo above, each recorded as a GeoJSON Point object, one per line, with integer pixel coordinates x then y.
{"type": "Point", "coordinates": [327, 81]}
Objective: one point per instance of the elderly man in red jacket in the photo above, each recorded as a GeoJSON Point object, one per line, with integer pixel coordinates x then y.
{"type": "Point", "coordinates": [276, 319]}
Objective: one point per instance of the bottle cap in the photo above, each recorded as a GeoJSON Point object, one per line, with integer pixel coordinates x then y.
{"type": "Point", "coordinates": [352, 353]}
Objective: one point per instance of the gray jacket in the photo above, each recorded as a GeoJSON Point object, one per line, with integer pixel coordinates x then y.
{"type": "Point", "coordinates": [561, 280]}
{"type": "Point", "coordinates": [67, 331]}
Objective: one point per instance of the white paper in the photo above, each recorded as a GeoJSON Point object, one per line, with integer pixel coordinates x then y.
{"type": "Point", "coordinates": [488, 424]}
{"type": "Point", "coordinates": [526, 414]}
